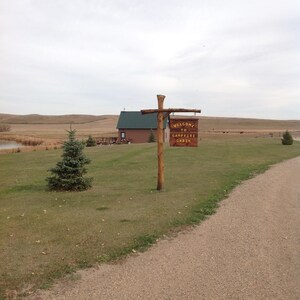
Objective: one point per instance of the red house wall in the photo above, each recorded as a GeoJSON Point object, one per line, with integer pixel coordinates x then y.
{"type": "Point", "coordinates": [139, 135]}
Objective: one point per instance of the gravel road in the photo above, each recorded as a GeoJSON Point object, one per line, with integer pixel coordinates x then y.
{"type": "Point", "coordinates": [250, 249]}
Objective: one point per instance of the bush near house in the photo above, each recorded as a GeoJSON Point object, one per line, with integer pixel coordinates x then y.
{"type": "Point", "coordinates": [91, 142]}
{"type": "Point", "coordinates": [287, 138]}
{"type": "Point", "coordinates": [151, 137]}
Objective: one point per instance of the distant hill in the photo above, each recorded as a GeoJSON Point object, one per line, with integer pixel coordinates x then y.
{"type": "Point", "coordinates": [55, 126]}
{"type": "Point", "coordinates": [46, 119]}
{"type": "Point", "coordinates": [247, 124]}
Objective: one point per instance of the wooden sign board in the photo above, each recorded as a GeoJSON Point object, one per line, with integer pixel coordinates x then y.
{"type": "Point", "coordinates": [183, 132]}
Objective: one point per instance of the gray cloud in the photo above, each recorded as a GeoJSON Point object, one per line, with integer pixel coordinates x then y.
{"type": "Point", "coordinates": [230, 58]}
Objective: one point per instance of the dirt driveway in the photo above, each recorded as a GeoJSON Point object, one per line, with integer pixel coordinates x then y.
{"type": "Point", "coordinates": [250, 249]}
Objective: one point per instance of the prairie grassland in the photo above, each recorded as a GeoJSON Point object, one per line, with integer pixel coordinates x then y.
{"type": "Point", "coordinates": [52, 129]}
{"type": "Point", "coordinates": [246, 124]}
{"type": "Point", "coordinates": [48, 119]}
{"type": "Point", "coordinates": [46, 235]}
{"type": "Point", "coordinates": [105, 126]}
{"type": "Point", "coordinates": [47, 136]}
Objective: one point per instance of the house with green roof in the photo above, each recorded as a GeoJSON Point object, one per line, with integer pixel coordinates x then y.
{"type": "Point", "coordinates": [134, 127]}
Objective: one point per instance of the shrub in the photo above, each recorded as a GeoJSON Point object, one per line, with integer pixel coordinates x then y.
{"type": "Point", "coordinates": [90, 142]}
{"type": "Point", "coordinates": [287, 138]}
{"type": "Point", "coordinates": [29, 141]}
{"type": "Point", "coordinates": [151, 138]}
{"type": "Point", "coordinates": [68, 173]}
{"type": "Point", "coordinates": [4, 127]}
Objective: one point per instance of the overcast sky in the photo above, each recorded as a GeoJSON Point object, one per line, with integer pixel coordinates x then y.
{"type": "Point", "coordinates": [229, 58]}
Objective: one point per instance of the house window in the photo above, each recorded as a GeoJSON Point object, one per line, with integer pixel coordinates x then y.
{"type": "Point", "coordinates": [123, 135]}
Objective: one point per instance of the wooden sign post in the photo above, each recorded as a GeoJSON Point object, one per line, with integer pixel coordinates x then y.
{"type": "Point", "coordinates": [161, 115]}
{"type": "Point", "coordinates": [160, 143]}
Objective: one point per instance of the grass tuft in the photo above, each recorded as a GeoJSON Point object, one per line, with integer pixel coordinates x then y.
{"type": "Point", "coordinates": [102, 208]}
{"type": "Point", "coordinates": [125, 221]}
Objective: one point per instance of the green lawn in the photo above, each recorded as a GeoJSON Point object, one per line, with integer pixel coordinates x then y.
{"type": "Point", "coordinates": [44, 235]}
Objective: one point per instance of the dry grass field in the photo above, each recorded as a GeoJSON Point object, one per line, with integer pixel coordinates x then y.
{"type": "Point", "coordinates": [52, 129]}
{"type": "Point", "coordinates": [247, 125]}
{"type": "Point", "coordinates": [43, 119]}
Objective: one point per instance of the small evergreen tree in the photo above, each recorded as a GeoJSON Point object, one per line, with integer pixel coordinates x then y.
{"type": "Point", "coordinates": [68, 173]}
{"type": "Point", "coordinates": [90, 142]}
{"type": "Point", "coordinates": [287, 138]}
{"type": "Point", "coordinates": [151, 137]}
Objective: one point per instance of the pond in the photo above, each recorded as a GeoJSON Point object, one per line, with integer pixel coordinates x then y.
{"type": "Point", "coordinates": [9, 145]}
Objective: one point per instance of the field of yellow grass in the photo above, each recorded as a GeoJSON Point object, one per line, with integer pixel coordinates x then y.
{"type": "Point", "coordinates": [52, 129]}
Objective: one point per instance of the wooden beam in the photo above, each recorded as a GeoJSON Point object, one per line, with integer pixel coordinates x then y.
{"type": "Point", "coordinates": [160, 143]}
{"type": "Point", "coordinates": [169, 110]}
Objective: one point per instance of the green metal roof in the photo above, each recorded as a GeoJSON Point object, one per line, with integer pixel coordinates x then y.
{"type": "Point", "coordinates": [136, 120]}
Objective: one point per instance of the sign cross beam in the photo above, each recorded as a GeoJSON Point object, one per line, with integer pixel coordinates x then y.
{"type": "Point", "coordinates": [160, 134]}
{"type": "Point", "coordinates": [169, 110]}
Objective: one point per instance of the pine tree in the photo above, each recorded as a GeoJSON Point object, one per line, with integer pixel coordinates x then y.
{"type": "Point", "coordinates": [68, 173]}
{"type": "Point", "coordinates": [287, 139]}
{"type": "Point", "coordinates": [90, 142]}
